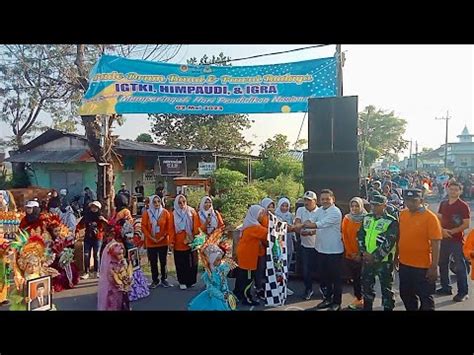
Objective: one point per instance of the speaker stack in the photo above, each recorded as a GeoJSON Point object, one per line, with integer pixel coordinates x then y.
{"type": "Point", "coordinates": [332, 160]}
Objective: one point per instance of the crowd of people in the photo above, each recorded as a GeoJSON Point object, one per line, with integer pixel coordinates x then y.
{"type": "Point", "coordinates": [398, 234]}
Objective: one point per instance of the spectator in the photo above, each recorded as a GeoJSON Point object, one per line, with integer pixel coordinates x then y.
{"type": "Point", "coordinates": [455, 217]}
{"type": "Point", "coordinates": [308, 239]}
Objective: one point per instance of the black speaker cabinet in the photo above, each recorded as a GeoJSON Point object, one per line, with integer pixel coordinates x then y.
{"type": "Point", "coordinates": [332, 124]}
{"type": "Point", "coordinates": [338, 171]}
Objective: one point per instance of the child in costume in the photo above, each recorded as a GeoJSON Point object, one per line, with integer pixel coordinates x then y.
{"type": "Point", "coordinates": [217, 295]}
{"type": "Point", "coordinates": [468, 250]}
{"type": "Point", "coordinates": [115, 280]}
{"type": "Point", "coordinates": [62, 245]}
{"type": "Point", "coordinates": [6, 254]}
{"type": "Point", "coordinates": [32, 260]}
{"type": "Point", "coordinates": [123, 233]}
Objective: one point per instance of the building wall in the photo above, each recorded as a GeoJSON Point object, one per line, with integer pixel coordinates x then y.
{"type": "Point", "coordinates": [43, 175]}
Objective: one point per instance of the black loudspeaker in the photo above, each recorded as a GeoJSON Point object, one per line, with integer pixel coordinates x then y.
{"type": "Point", "coordinates": [338, 171]}
{"type": "Point", "coordinates": [332, 124]}
{"type": "Point", "coordinates": [332, 161]}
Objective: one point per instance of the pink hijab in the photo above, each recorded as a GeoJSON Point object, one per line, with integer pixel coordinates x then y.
{"type": "Point", "coordinates": [105, 265]}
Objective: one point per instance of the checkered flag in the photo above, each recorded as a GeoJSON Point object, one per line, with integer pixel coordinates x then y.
{"type": "Point", "coordinates": [276, 270]}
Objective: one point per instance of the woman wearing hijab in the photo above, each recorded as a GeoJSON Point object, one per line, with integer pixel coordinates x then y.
{"type": "Point", "coordinates": [54, 201]}
{"type": "Point", "coordinates": [210, 219]}
{"type": "Point", "coordinates": [253, 233]}
{"type": "Point", "coordinates": [269, 206]}
{"type": "Point", "coordinates": [32, 219]}
{"type": "Point", "coordinates": [94, 224]}
{"type": "Point", "coordinates": [350, 226]}
{"type": "Point", "coordinates": [156, 225]}
{"type": "Point", "coordinates": [185, 224]}
{"type": "Point", "coordinates": [121, 209]}
{"type": "Point", "coordinates": [283, 212]}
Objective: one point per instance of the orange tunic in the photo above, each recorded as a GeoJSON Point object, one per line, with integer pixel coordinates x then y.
{"type": "Point", "coordinates": [250, 245]}
{"type": "Point", "coordinates": [220, 222]}
{"type": "Point", "coordinates": [468, 249]}
{"type": "Point", "coordinates": [177, 239]}
{"type": "Point", "coordinates": [349, 237]}
{"type": "Point", "coordinates": [165, 225]}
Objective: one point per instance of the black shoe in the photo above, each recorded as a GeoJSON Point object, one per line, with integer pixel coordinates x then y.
{"type": "Point", "coordinates": [324, 304]}
{"type": "Point", "coordinates": [444, 292]}
{"type": "Point", "coordinates": [308, 294]}
{"type": "Point", "coordinates": [334, 307]}
{"type": "Point", "coordinates": [460, 298]}
{"type": "Point", "coordinates": [154, 285]}
{"type": "Point", "coordinates": [251, 303]}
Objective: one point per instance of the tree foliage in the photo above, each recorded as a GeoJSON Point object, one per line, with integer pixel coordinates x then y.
{"type": "Point", "coordinates": [144, 138]}
{"type": "Point", "coordinates": [203, 131]}
{"type": "Point", "coordinates": [381, 134]}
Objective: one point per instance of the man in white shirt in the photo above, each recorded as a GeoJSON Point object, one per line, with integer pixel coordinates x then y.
{"type": "Point", "coordinates": [330, 249]}
{"type": "Point", "coordinates": [308, 239]}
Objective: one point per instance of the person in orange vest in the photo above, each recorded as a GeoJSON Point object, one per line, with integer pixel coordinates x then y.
{"type": "Point", "coordinates": [185, 224]}
{"type": "Point", "coordinates": [468, 250]}
{"type": "Point", "coordinates": [156, 225]}
{"type": "Point", "coordinates": [350, 226]}
{"type": "Point", "coordinates": [253, 234]}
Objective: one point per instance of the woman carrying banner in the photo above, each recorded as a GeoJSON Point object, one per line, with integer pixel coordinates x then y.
{"type": "Point", "coordinates": [283, 212]}
{"type": "Point", "coordinates": [253, 234]}
{"type": "Point", "coordinates": [185, 224]}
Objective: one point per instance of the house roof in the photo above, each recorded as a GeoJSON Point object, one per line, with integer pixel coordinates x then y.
{"type": "Point", "coordinates": [27, 154]}
{"type": "Point", "coordinates": [61, 156]}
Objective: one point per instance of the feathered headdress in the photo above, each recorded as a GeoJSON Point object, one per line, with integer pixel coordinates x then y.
{"type": "Point", "coordinates": [215, 245]}
{"type": "Point", "coordinates": [53, 221]}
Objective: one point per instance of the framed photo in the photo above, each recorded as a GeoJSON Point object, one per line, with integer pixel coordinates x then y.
{"type": "Point", "coordinates": [134, 258]}
{"type": "Point", "coordinates": [39, 294]}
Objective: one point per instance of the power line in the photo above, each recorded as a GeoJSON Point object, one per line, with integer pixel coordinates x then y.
{"type": "Point", "coordinates": [272, 53]}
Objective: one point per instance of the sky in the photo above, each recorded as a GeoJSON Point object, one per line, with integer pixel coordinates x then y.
{"type": "Point", "coordinates": [417, 82]}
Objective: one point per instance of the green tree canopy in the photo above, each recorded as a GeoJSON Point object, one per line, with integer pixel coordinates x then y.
{"type": "Point", "coordinates": [381, 134]}
{"type": "Point", "coordinates": [144, 138]}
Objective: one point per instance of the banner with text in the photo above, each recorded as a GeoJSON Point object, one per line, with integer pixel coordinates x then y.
{"type": "Point", "coordinates": [120, 85]}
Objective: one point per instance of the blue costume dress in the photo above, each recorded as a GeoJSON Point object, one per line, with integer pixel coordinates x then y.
{"type": "Point", "coordinates": [213, 297]}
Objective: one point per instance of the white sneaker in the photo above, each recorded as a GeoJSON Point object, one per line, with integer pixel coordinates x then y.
{"type": "Point", "coordinates": [97, 275]}
{"type": "Point", "coordinates": [182, 287]}
{"type": "Point", "coordinates": [85, 276]}
{"type": "Point", "coordinates": [289, 292]}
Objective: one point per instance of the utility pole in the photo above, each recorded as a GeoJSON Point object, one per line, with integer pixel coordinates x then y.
{"type": "Point", "coordinates": [340, 63]}
{"type": "Point", "coordinates": [447, 118]}
{"type": "Point", "coordinates": [416, 155]}
{"type": "Point", "coordinates": [410, 160]}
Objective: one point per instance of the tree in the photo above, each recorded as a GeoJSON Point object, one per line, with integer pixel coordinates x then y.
{"type": "Point", "coordinates": [30, 82]}
{"type": "Point", "coordinates": [301, 144]}
{"type": "Point", "coordinates": [53, 79]}
{"type": "Point", "coordinates": [381, 134]}
{"type": "Point", "coordinates": [145, 138]}
{"type": "Point", "coordinates": [275, 147]}
{"type": "Point", "coordinates": [203, 131]}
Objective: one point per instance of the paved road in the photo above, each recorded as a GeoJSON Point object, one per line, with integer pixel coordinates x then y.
{"type": "Point", "coordinates": [84, 297]}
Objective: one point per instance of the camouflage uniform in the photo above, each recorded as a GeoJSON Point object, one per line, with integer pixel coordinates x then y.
{"type": "Point", "coordinates": [378, 236]}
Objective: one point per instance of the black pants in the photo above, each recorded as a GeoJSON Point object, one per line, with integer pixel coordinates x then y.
{"type": "Point", "coordinates": [330, 266]}
{"type": "Point", "coordinates": [186, 267]}
{"type": "Point", "coordinates": [153, 254]}
{"type": "Point", "coordinates": [413, 286]}
{"type": "Point", "coordinates": [92, 245]}
{"type": "Point", "coordinates": [260, 277]}
{"type": "Point", "coordinates": [243, 283]}
{"type": "Point", "coordinates": [309, 258]}
{"type": "Point", "coordinates": [355, 269]}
